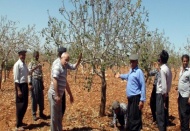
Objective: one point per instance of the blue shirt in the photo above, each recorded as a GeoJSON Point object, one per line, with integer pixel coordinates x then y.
{"type": "Point", "coordinates": [135, 84]}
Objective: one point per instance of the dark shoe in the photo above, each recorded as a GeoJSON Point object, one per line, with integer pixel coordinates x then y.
{"type": "Point", "coordinates": [34, 118]}
{"type": "Point", "coordinates": [42, 116]}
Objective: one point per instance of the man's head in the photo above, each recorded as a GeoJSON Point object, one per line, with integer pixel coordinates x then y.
{"type": "Point", "coordinates": [64, 59]}
{"type": "Point", "coordinates": [116, 106]}
{"type": "Point", "coordinates": [133, 60]}
{"type": "Point", "coordinates": [22, 54]}
{"type": "Point", "coordinates": [185, 60]}
{"type": "Point", "coordinates": [163, 57]}
{"type": "Point", "coordinates": [36, 55]}
{"type": "Point", "coordinates": [60, 51]}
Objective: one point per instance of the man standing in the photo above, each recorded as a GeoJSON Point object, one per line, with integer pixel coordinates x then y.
{"type": "Point", "coordinates": [60, 51]}
{"type": "Point", "coordinates": [184, 94]}
{"type": "Point", "coordinates": [20, 72]}
{"type": "Point", "coordinates": [162, 90]}
{"type": "Point", "coordinates": [154, 73]}
{"type": "Point", "coordinates": [36, 86]}
{"type": "Point", "coordinates": [57, 89]}
{"type": "Point", "coordinates": [136, 94]}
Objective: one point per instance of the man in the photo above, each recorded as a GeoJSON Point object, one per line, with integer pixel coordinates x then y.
{"type": "Point", "coordinates": [60, 51]}
{"type": "Point", "coordinates": [57, 89]}
{"type": "Point", "coordinates": [154, 73]}
{"type": "Point", "coordinates": [184, 93]}
{"type": "Point", "coordinates": [36, 86]}
{"type": "Point", "coordinates": [162, 91]}
{"type": "Point", "coordinates": [20, 72]}
{"type": "Point", "coordinates": [120, 114]}
{"type": "Point", "coordinates": [136, 94]}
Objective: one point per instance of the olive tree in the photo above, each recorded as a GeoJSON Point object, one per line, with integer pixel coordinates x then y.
{"type": "Point", "coordinates": [105, 31]}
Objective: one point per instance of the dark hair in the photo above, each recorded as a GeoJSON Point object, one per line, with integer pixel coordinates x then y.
{"type": "Point", "coordinates": [59, 54]}
{"type": "Point", "coordinates": [164, 56]}
{"type": "Point", "coordinates": [35, 53]}
{"type": "Point", "coordinates": [185, 56]}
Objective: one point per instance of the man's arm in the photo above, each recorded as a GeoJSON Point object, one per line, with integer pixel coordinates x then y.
{"type": "Point", "coordinates": [57, 95]}
{"type": "Point", "coordinates": [17, 79]}
{"type": "Point", "coordinates": [78, 61]}
{"type": "Point", "coordinates": [69, 92]}
{"type": "Point", "coordinates": [143, 90]}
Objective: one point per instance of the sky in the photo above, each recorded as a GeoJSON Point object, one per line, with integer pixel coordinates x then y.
{"type": "Point", "coordinates": [169, 16]}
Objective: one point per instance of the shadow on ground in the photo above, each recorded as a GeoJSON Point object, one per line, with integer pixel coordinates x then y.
{"type": "Point", "coordinates": [80, 129]}
{"type": "Point", "coordinates": [35, 126]}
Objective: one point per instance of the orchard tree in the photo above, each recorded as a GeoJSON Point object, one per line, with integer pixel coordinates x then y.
{"type": "Point", "coordinates": [105, 31]}
{"type": "Point", "coordinates": [11, 39]}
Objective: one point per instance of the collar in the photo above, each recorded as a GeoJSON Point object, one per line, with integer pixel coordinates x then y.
{"type": "Point", "coordinates": [134, 70]}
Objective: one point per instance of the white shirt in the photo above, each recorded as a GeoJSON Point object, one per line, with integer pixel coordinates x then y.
{"type": "Point", "coordinates": [164, 80]}
{"type": "Point", "coordinates": [20, 72]}
{"type": "Point", "coordinates": [184, 82]}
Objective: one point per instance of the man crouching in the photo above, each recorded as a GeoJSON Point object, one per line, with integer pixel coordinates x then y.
{"type": "Point", "coordinates": [119, 114]}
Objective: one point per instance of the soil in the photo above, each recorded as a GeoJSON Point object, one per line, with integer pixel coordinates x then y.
{"type": "Point", "coordinates": [83, 114]}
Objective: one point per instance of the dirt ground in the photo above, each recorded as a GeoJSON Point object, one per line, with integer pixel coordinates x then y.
{"type": "Point", "coordinates": [82, 115]}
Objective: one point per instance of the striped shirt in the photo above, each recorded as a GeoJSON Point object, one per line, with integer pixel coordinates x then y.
{"type": "Point", "coordinates": [60, 73]}
{"type": "Point", "coordinates": [20, 72]}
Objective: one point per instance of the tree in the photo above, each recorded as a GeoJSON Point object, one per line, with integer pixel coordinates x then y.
{"type": "Point", "coordinates": [105, 31]}
{"type": "Point", "coordinates": [11, 39]}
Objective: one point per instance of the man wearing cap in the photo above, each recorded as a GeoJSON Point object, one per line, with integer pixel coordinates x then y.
{"type": "Point", "coordinates": [36, 86]}
{"type": "Point", "coordinates": [120, 114]}
{"type": "Point", "coordinates": [136, 94]}
{"type": "Point", "coordinates": [162, 91]}
{"type": "Point", "coordinates": [57, 89]}
{"type": "Point", "coordinates": [20, 72]}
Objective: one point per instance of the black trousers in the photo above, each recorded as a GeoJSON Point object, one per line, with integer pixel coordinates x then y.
{"type": "Point", "coordinates": [153, 102]}
{"type": "Point", "coordinates": [162, 112]}
{"type": "Point", "coordinates": [21, 103]}
{"type": "Point", "coordinates": [121, 120]}
{"type": "Point", "coordinates": [63, 104]}
{"type": "Point", "coordinates": [184, 112]}
{"type": "Point", "coordinates": [134, 119]}
{"type": "Point", "coordinates": [37, 95]}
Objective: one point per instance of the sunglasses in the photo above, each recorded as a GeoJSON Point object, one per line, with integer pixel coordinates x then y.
{"type": "Point", "coordinates": [158, 60]}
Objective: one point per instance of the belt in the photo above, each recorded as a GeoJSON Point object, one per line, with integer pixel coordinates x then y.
{"type": "Point", "coordinates": [37, 76]}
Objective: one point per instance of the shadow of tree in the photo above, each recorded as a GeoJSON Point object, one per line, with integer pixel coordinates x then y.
{"type": "Point", "coordinates": [34, 126]}
{"type": "Point", "coordinates": [80, 129]}
{"type": "Point", "coordinates": [171, 119]}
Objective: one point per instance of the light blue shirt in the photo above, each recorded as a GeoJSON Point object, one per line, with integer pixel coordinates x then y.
{"type": "Point", "coordinates": [135, 84]}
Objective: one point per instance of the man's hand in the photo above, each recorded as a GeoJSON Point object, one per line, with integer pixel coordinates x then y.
{"type": "Point", "coordinates": [19, 93]}
{"type": "Point", "coordinates": [141, 105]}
{"type": "Point", "coordinates": [189, 101]}
{"type": "Point", "coordinates": [30, 87]}
{"type": "Point", "coordinates": [58, 99]}
{"type": "Point", "coordinates": [117, 75]}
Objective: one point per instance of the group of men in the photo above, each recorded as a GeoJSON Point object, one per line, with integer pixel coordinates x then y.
{"type": "Point", "coordinates": [32, 75]}
{"type": "Point", "coordinates": [130, 116]}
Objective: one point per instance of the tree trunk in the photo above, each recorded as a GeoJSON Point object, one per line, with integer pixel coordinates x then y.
{"type": "Point", "coordinates": [103, 94]}
{"type": "Point", "coordinates": [1, 73]}
{"type": "Point", "coordinates": [5, 75]}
